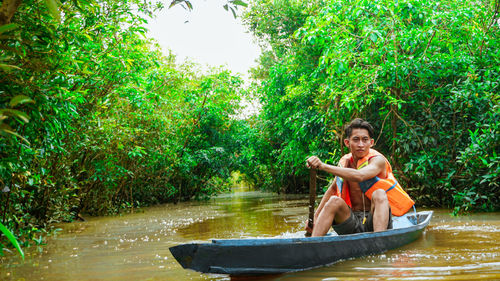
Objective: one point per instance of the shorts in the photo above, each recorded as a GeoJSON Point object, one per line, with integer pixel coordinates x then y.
{"type": "Point", "coordinates": [354, 224]}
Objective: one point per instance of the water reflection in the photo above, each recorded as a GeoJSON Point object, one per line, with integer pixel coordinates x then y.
{"type": "Point", "coordinates": [135, 246]}
{"type": "Point", "coordinates": [249, 214]}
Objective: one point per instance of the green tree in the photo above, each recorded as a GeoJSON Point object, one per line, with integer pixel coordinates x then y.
{"type": "Point", "coordinates": [95, 119]}
{"type": "Point", "coordinates": [426, 76]}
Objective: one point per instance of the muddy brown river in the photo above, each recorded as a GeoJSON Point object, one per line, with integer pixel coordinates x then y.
{"type": "Point", "coordinates": [135, 246]}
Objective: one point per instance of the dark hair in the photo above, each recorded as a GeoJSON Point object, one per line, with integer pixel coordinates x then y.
{"type": "Point", "coordinates": [358, 123]}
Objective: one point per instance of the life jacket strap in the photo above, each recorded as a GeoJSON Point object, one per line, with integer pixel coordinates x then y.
{"type": "Point", "coordinates": [340, 184]}
{"type": "Point", "coordinates": [393, 186]}
{"type": "Point", "coordinates": [367, 184]}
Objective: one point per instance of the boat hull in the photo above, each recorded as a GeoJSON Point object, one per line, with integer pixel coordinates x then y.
{"type": "Point", "coordinates": [272, 256]}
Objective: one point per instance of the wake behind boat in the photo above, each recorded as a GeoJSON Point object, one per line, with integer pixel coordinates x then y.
{"type": "Point", "coordinates": [280, 255]}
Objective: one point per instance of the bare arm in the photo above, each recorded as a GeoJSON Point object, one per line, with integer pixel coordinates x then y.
{"type": "Point", "coordinates": [375, 166]}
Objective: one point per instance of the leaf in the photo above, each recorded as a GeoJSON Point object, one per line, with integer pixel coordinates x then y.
{"type": "Point", "coordinates": [174, 2]}
{"type": "Point", "coordinates": [484, 161]}
{"type": "Point", "coordinates": [232, 10]}
{"type": "Point", "coordinates": [226, 7]}
{"type": "Point", "coordinates": [240, 3]}
{"type": "Point", "coordinates": [8, 67]}
{"type": "Point", "coordinates": [7, 130]}
{"type": "Point", "coordinates": [12, 239]}
{"type": "Point", "coordinates": [88, 37]}
{"type": "Point", "coordinates": [20, 99]}
{"type": "Point", "coordinates": [8, 27]}
{"type": "Point", "coordinates": [15, 113]}
{"type": "Point", "coordinates": [53, 6]}
{"type": "Point", "coordinates": [189, 5]}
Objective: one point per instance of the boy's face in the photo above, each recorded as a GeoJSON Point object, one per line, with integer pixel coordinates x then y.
{"type": "Point", "coordinates": [359, 143]}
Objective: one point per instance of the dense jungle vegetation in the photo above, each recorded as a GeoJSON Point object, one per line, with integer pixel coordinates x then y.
{"type": "Point", "coordinates": [95, 119]}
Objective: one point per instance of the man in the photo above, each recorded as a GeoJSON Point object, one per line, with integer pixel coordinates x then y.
{"type": "Point", "coordinates": [365, 193]}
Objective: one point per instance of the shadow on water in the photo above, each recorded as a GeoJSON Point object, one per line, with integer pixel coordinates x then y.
{"type": "Point", "coordinates": [135, 246]}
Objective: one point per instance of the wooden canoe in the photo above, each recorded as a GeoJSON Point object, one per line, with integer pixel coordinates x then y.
{"type": "Point", "coordinates": [280, 255]}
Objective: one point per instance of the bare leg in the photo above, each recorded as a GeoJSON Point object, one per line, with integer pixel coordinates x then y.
{"type": "Point", "coordinates": [336, 209]}
{"type": "Point", "coordinates": [380, 210]}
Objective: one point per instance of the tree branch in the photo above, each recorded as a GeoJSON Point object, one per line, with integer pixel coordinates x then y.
{"type": "Point", "coordinates": [493, 20]}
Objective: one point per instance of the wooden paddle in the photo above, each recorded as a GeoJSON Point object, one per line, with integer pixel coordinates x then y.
{"type": "Point", "coordinates": [312, 199]}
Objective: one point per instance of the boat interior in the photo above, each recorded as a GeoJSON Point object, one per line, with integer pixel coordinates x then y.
{"type": "Point", "coordinates": [409, 219]}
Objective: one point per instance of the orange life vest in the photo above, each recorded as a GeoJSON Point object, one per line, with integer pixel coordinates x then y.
{"type": "Point", "coordinates": [399, 200]}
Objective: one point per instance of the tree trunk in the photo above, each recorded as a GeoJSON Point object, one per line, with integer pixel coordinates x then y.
{"type": "Point", "coordinates": [7, 10]}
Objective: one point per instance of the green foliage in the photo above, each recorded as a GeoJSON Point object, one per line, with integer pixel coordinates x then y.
{"type": "Point", "coordinates": [12, 239]}
{"type": "Point", "coordinates": [230, 5]}
{"type": "Point", "coordinates": [274, 23]}
{"type": "Point", "coordinates": [479, 169]}
{"type": "Point", "coordinates": [426, 75]}
{"type": "Point", "coordinates": [20, 116]}
{"type": "Point", "coordinates": [95, 119]}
